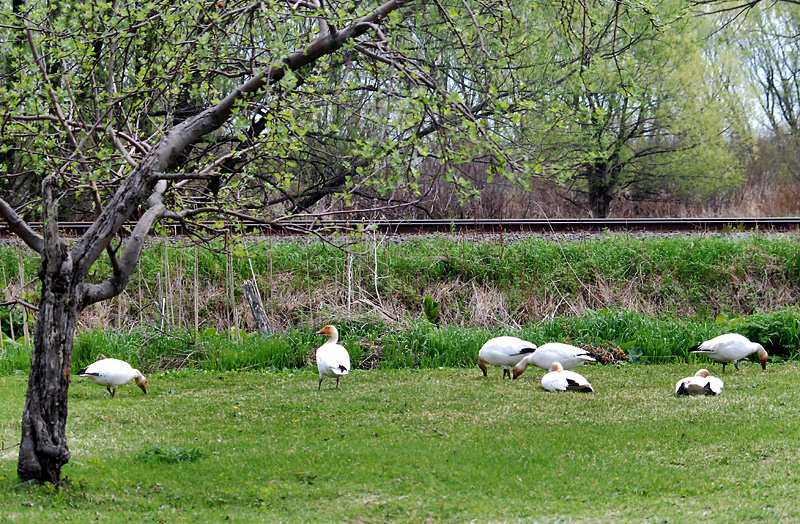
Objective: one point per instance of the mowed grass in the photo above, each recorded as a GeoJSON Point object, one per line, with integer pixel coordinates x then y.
{"type": "Point", "coordinates": [430, 445]}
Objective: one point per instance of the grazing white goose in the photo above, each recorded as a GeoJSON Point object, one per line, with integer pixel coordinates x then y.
{"type": "Point", "coordinates": [113, 373]}
{"type": "Point", "coordinates": [559, 380]}
{"type": "Point", "coordinates": [731, 347]}
{"type": "Point", "coordinates": [503, 352]}
{"type": "Point", "coordinates": [702, 383]}
{"type": "Point", "coordinates": [332, 358]}
{"type": "Point", "coordinates": [544, 357]}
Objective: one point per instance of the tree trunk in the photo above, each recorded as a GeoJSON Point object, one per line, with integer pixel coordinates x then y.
{"type": "Point", "coordinates": [43, 450]}
{"type": "Point", "coordinates": [599, 200]}
{"type": "Point", "coordinates": [600, 181]}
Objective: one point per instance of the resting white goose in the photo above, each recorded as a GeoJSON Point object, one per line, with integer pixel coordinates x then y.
{"type": "Point", "coordinates": [113, 373]}
{"type": "Point", "coordinates": [332, 358]}
{"type": "Point", "coordinates": [544, 357]}
{"type": "Point", "coordinates": [559, 380]}
{"type": "Point", "coordinates": [503, 352]}
{"type": "Point", "coordinates": [702, 383]}
{"type": "Point", "coordinates": [731, 347]}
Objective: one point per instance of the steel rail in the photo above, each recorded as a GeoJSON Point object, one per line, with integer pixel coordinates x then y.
{"type": "Point", "coordinates": [491, 226]}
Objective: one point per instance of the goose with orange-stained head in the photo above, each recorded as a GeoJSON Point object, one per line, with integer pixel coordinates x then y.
{"type": "Point", "coordinates": [702, 383]}
{"type": "Point", "coordinates": [332, 358]}
{"type": "Point", "coordinates": [557, 379]}
{"type": "Point", "coordinates": [730, 348]}
{"type": "Point", "coordinates": [113, 373]}
{"type": "Point", "coordinates": [503, 352]}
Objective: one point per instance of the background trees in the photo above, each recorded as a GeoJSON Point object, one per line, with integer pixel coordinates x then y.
{"type": "Point", "coordinates": [644, 115]}
{"type": "Point", "coordinates": [587, 109]}
{"type": "Point", "coordinates": [769, 46]}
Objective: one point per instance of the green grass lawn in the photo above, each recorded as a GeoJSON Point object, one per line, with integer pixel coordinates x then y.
{"type": "Point", "coordinates": [441, 445]}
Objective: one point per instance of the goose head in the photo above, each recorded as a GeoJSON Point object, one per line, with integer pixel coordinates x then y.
{"type": "Point", "coordinates": [141, 381]}
{"type": "Point", "coordinates": [519, 369]}
{"type": "Point", "coordinates": [484, 366]}
{"type": "Point", "coordinates": [702, 373]}
{"type": "Point", "coordinates": [557, 367]}
{"type": "Point", "coordinates": [331, 332]}
{"type": "Point", "coordinates": [762, 355]}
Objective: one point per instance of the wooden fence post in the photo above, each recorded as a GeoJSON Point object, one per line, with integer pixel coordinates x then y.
{"type": "Point", "coordinates": [257, 307]}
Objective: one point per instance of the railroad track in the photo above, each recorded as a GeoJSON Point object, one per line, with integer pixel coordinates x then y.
{"type": "Point", "coordinates": [465, 226]}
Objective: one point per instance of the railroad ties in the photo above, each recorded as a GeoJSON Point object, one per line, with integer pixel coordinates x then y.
{"type": "Point", "coordinates": [286, 226]}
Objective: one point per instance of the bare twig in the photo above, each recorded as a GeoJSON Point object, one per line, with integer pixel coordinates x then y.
{"type": "Point", "coordinates": [10, 446]}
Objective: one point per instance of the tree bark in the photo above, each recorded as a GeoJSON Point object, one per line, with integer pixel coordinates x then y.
{"type": "Point", "coordinates": [43, 449]}
{"type": "Point", "coordinates": [600, 196]}
{"type": "Point", "coordinates": [600, 192]}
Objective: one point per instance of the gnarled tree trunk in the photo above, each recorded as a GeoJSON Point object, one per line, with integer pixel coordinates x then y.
{"type": "Point", "coordinates": [43, 449]}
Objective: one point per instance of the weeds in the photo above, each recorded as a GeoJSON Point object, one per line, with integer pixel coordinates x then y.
{"type": "Point", "coordinates": [477, 283]}
{"type": "Point", "coordinates": [652, 297]}
{"type": "Point", "coordinates": [421, 345]}
{"type": "Point", "coordinates": [171, 454]}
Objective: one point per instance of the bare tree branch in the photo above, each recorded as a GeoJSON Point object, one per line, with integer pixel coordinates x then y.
{"type": "Point", "coordinates": [21, 228]}
{"type": "Point", "coordinates": [125, 266]}
{"type": "Point", "coordinates": [112, 218]}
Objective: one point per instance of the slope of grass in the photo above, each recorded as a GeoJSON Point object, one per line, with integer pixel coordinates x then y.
{"type": "Point", "coordinates": [440, 445]}
{"type": "Point", "coordinates": [479, 281]}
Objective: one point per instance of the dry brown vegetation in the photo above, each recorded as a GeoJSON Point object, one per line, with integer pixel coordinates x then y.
{"type": "Point", "coordinates": [479, 281]}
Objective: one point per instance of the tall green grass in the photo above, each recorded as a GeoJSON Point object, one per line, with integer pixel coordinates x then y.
{"type": "Point", "coordinates": [534, 277]}
{"type": "Point", "coordinates": [654, 297]}
{"type": "Point", "coordinates": [420, 344]}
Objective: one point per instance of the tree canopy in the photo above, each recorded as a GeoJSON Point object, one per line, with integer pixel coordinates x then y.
{"type": "Point", "coordinates": [556, 91]}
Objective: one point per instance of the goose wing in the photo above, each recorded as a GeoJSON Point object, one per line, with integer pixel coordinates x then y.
{"type": "Point", "coordinates": [505, 351]}
{"type": "Point", "coordinates": [109, 372]}
{"type": "Point", "coordinates": [333, 359]}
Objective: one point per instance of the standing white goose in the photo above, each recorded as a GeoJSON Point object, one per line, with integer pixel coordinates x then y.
{"type": "Point", "coordinates": [503, 352]}
{"type": "Point", "coordinates": [731, 347]}
{"type": "Point", "coordinates": [332, 358]}
{"type": "Point", "coordinates": [702, 383]}
{"type": "Point", "coordinates": [544, 357]}
{"type": "Point", "coordinates": [113, 373]}
{"type": "Point", "coordinates": [559, 380]}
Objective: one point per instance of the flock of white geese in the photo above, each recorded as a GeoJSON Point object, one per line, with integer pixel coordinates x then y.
{"type": "Point", "coordinates": [509, 353]}
{"type": "Point", "coordinates": [558, 358]}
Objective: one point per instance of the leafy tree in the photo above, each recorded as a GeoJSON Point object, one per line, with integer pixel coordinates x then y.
{"type": "Point", "coordinates": [768, 40]}
{"type": "Point", "coordinates": [634, 121]}
{"type": "Point", "coordinates": [131, 112]}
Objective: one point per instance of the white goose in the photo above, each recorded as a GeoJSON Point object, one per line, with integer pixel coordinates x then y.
{"type": "Point", "coordinates": [503, 352]}
{"type": "Point", "coordinates": [702, 383]}
{"type": "Point", "coordinates": [544, 357]}
{"type": "Point", "coordinates": [559, 380]}
{"type": "Point", "coordinates": [731, 347]}
{"type": "Point", "coordinates": [332, 358]}
{"type": "Point", "coordinates": [113, 373]}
